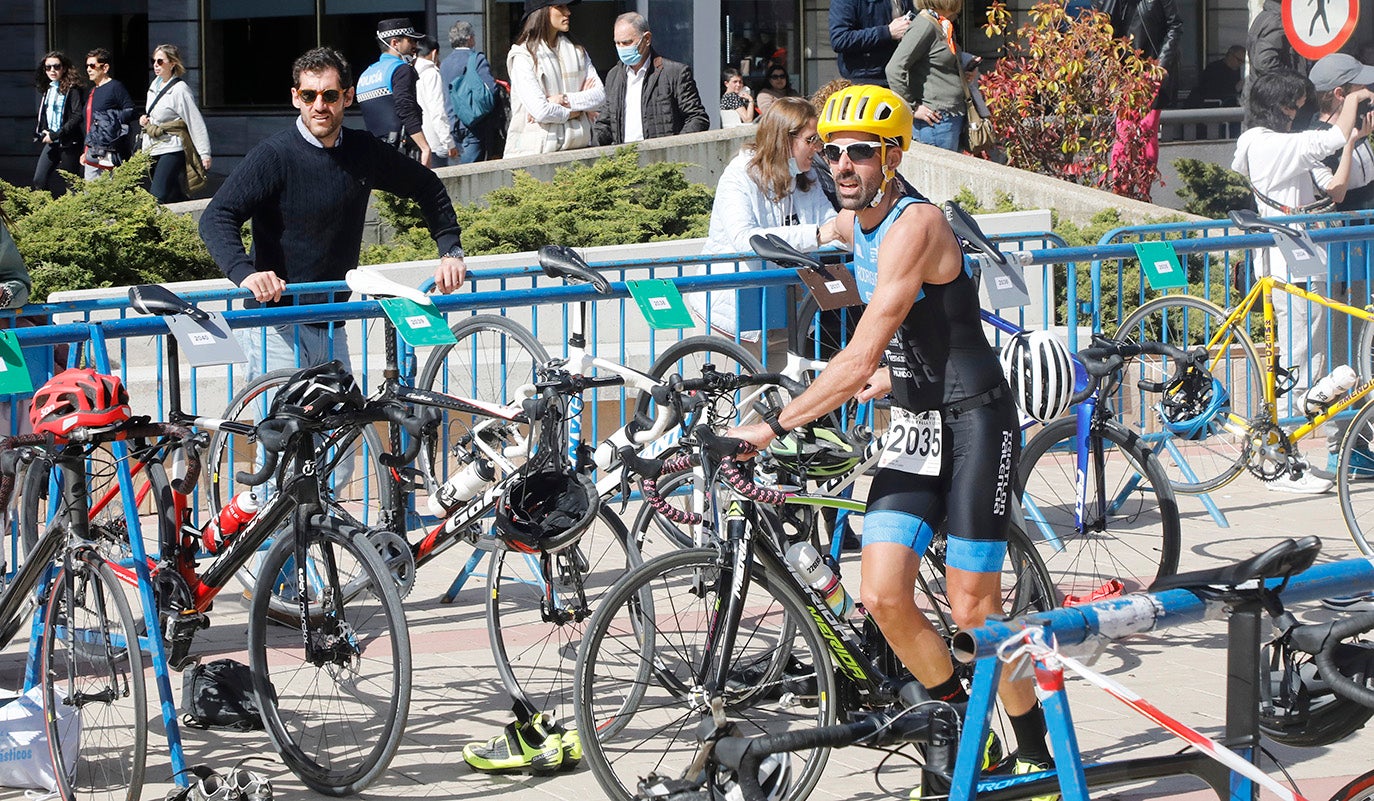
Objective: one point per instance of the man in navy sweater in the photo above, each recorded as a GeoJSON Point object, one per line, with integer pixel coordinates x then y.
{"type": "Point", "coordinates": [864, 35]}
{"type": "Point", "coordinates": [305, 190]}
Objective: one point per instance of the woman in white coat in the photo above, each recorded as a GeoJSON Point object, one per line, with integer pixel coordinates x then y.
{"type": "Point", "coordinates": [169, 102]}
{"type": "Point", "coordinates": [554, 87]}
{"type": "Point", "coordinates": [771, 187]}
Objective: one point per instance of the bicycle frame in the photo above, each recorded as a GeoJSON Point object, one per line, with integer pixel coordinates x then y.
{"type": "Point", "coordinates": [1092, 624]}
{"type": "Point", "coordinates": [1262, 294]}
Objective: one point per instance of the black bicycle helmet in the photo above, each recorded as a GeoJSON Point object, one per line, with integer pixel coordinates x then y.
{"type": "Point", "coordinates": [546, 511]}
{"type": "Point", "coordinates": [1300, 709]}
{"type": "Point", "coordinates": [318, 392]}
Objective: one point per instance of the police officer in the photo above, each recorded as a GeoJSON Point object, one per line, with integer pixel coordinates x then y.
{"type": "Point", "coordinates": [386, 91]}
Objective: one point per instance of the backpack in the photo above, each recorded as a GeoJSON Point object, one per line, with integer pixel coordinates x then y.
{"type": "Point", "coordinates": [220, 695]}
{"type": "Point", "coordinates": [469, 95]}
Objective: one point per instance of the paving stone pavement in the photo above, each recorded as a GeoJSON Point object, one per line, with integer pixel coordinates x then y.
{"type": "Point", "coordinates": [457, 696]}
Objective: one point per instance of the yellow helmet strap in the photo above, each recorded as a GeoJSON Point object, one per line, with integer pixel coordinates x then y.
{"type": "Point", "coordinates": [888, 175]}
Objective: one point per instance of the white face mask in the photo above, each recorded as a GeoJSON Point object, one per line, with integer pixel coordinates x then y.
{"type": "Point", "coordinates": [794, 168]}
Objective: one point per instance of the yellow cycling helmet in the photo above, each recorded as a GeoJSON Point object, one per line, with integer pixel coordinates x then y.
{"type": "Point", "coordinates": [871, 109]}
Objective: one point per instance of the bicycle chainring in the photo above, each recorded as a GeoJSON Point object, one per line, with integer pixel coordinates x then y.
{"type": "Point", "coordinates": [398, 558]}
{"type": "Point", "coordinates": [1268, 450]}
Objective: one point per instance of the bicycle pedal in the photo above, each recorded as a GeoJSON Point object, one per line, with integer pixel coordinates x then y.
{"type": "Point", "coordinates": [179, 633]}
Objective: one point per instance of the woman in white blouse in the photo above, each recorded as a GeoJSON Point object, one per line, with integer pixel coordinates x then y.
{"type": "Point", "coordinates": [771, 187]}
{"type": "Point", "coordinates": [170, 103]}
{"type": "Point", "coordinates": [554, 87]}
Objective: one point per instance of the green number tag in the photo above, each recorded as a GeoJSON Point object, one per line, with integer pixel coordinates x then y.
{"type": "Point", "coordinates": [1160, 262]}
{"type": "Point", "coordinates": [418, 325]}
{"type": "Point", "coordinates": [14, 372]}
{"type": "Point", "coordinates": [660, 303]}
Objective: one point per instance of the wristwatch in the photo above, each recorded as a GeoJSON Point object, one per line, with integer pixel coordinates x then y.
{"type": "Point", "coordinates": [772, 420]}
{"type": "Point", "coordinates": [455, 252]}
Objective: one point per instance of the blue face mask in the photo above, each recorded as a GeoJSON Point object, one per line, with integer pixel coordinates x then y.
{"type": "Point", "coordinates": [630, 56]}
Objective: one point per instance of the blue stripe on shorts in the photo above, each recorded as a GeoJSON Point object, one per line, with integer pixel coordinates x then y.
{"type": "Point", "coordinates": [903, 528]}
{"type": "Point", "coordinates": [975, 556]}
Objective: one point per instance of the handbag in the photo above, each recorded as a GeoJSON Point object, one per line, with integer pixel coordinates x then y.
{"type": "Point", "coordinates": [978, 135]}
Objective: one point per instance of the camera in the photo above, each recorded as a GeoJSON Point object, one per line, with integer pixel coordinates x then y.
{"type": "Point", "coordinates": [910, 15]}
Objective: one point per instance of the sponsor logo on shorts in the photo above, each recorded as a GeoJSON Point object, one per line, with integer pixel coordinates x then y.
{"type": "Point", "coordinates": [999, 498]}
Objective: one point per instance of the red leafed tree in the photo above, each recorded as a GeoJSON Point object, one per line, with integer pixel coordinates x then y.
{"type": "Point", "coordinates": [1057, 93]}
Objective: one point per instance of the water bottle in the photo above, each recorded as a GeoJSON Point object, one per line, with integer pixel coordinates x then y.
{"type": "Point", "coordinates": [231, 520]}
{"type": "Point", "coordinates": [807, 561]}
{"type": "Point", "coordinates": [1329, 389]}
{"type": "Point", "coordinates": [462, 486]}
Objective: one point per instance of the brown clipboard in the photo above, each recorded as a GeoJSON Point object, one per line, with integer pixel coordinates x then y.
{"type": "Point", "coordinates": [833, 286]}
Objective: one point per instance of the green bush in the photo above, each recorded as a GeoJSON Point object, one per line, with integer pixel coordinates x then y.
{"type": "Point", "coordinates": [110, 232]}
{"type": "Point", "coordinates": [613, 201]}
{"type": "Point", "coordinates": [1212, 191]}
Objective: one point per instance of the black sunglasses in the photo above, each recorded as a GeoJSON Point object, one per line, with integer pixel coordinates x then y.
{"type": "Point", "coordinates": [778, 75]}
{"type": "Point", "coordinates": [90, 65]}
{"type": "Point", "coordinates": [159, 61]}
{"type": "Point", "coordinates": [331, 96]}
{"type": "Point", "coordinates": [858, 151]}
{"type": "Point", "coordinates": [52, 67]}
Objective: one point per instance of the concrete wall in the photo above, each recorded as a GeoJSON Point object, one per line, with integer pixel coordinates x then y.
{"type": "Point", "coordinates": [938, 173]}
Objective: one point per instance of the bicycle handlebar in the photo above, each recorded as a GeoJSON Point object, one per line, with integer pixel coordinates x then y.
{"type": "Point", "coordinates": [1106, 356]}
{"type": "Point", "coordinates": [10, 455]}
{"type": "Point", "coordinates": [1321, 640]}
{"type": "Point", "coordinates": [275, 434]}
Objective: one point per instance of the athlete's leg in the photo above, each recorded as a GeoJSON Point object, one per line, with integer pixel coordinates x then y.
{"type": "Point", "coordinates": [973, 597]}
{"type": "Point", "coordinates": [888, 592]}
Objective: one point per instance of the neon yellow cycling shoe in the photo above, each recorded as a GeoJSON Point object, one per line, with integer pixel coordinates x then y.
{"type": "Point", "coordinates": [1025, 766]}
{"type": "Point", "coordinates": [518, 747]}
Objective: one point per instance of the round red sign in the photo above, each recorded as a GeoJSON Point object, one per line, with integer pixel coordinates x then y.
{"type": "Point", "coordinates": [1319, 28]}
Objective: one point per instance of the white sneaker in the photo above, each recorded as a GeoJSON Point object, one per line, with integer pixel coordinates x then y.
{"type": "Point", "coordinates": [1309, 484]}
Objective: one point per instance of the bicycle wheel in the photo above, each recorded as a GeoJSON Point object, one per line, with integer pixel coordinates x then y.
{"type": "Point", "coordinates": [1360, 789]}
{"type": "Point", "coordinates": [645, 646]}
{"type": "Point", "coordinates": [689, 357]}
{"type": "Point", "coordinates": [357, 483]}
{"type": "Point", "coordinates": [93, 685]}
{"type": "Point", "coordinates": [335, 707]}
{"type": "Point", "coordinates": [1130, 529]}
{"type": "Point", "coordinates": [534, 640]}
{"type": "Point", "coordinates": [1355, 479]}
{"type": "Point", "coordinates": [492, 359]}
{"type": "Point", "coordinates": [1218, 453]}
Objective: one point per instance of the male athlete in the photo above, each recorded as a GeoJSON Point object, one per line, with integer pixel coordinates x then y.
{"type": "Point", "coordinates": [946, 382]}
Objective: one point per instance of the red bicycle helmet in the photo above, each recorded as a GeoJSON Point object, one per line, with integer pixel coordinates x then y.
{"type": "Point", "coordinates": [77, 398]}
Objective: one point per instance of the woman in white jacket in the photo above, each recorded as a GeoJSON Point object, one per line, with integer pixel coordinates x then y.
{"type": "Point", "coordinates": [169, 100]}
{"type": "Point", "coordinates": [430, 92]}
{"type": "Point", "coordinates": [771, 187]}
{"type": "Point", "coordinates": [554, 87]}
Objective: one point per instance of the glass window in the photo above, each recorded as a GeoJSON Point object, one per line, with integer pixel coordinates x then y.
{"type": "Point", "coordinates": [759, 33]}
{"type": "Point", "coordinates": [592, 22]}
{"type": "Point", "coordinates": [248, 49]}
{"type": "Point", "coordinates": [120, 26]}
{"type": "Point", "coordinates": [249, 45]}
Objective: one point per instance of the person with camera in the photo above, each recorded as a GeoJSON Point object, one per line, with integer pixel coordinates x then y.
{"type": "Point", "coordinates": [1348, 176]}
{"type": "Point", "coordinates": [864, 35]}
{"type": "Point", "coordinates": [59, 122]}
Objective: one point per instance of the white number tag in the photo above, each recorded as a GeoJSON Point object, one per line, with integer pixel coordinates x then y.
{"type": "Point", "coordinates": [912, 443]}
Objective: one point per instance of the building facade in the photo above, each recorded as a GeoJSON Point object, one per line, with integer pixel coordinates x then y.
{"type": "Point", "coordinates": [239, 52]}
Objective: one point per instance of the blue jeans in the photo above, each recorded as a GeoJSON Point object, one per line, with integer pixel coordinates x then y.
{"type": "Point", "coordinates": [471, 142]}
{"type": "Point", "coordinates": [944, 133]}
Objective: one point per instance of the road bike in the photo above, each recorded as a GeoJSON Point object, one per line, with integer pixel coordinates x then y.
{"type": "Point", "coordinates": [1242, 431]}
{"type": "Point", "coordinates": [334, 683]}
{"type": "Point", "coordinates": [536, 611]}
{"type": "Point", "coordinates": [701, 642]}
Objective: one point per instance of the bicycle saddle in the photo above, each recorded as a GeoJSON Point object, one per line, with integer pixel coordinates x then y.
{"type": "Point", "coordinates": [777, 250]}
{"type": "Point", "coordinates": [374, 284]}
{"type": "Point", "coordinates": [1282, 560]}
{"type": "Point", "coordinates": [966, 229]}
{"type": "Point", "coordinates": [163, 302]}
{"type": "Point", "coordinates": [561, 261]}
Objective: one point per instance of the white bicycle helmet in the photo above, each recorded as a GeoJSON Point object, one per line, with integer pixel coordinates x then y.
{"type": "Point", "coordinates": [1040, 372]}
